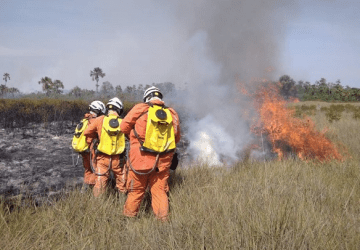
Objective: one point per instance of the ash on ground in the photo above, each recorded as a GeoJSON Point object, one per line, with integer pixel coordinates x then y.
{"type": "Point", "coordinates": [39, 163]}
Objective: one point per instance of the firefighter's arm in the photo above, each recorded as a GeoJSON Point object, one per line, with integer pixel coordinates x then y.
{"type": "Point", "coordinates": [176, 125]}
{"type": "Point", "coordinates": [129, 120]}
{"type": "Point", "coordinates": [91, 132]}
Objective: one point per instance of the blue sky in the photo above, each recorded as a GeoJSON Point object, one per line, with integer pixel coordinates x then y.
{"type": "Point", "coordinates": [141, 42]}
{"type": "Point", "coordinates": [324, 41]}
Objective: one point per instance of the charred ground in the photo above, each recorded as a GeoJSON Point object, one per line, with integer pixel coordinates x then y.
{"type": "Point", "coordinates": [36, 162]}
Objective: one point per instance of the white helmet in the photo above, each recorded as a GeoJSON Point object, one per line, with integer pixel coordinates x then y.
{"type": "Point", "coordinates": [152, 92]}
{"type": "Point", "coordinates": [115, 104]}
{"type": "Point", "coordinates": [97, 107]}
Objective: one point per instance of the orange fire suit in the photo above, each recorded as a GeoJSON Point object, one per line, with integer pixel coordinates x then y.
{"type": "Point", "coordinates": [89, 176]}
{"type": "Point", "coordinates": [143, 162]}
{"type": "Point", "coordinates": [101, 161]}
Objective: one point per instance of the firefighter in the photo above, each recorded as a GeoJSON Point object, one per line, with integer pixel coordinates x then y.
{"type": "Point", "coordinates": [110, 147]}
{"type": "Point", "coordinates": [96, 109]}
{"type": "Point", "coordinates": [153, 130]}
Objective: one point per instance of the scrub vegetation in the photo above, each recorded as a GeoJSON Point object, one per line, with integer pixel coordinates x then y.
{"type": "Point", "coordinates": [288, 204]}
{"type": "Point", "coordinates": [19, 113]}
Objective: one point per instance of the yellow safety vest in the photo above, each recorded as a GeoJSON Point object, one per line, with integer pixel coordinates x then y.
{"type": "Point", "coordinates": [79, 140]}
{"type": "Point", "coordinates": [112, 140]}
{"type": "Point", "coordinates": [159, 136]}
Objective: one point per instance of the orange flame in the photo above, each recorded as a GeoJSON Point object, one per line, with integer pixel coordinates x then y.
{"type": "Point", "coordinates": [286, 132]}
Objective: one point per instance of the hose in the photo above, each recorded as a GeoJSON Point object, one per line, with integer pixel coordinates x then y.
{"type": "Point", "coordinates": [155, 164]}
{"type": "Point", "coordinates": [77, 161]}
{"type": "Point", "coordinates": [92, 167]}
{"type": "Point", "coordinates": [141, 173]}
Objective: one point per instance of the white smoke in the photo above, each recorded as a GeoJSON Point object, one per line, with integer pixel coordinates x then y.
{"type": "Point", "coordinates": [210, 141]}
{"type": "Point", "coordinates": [203, 147]}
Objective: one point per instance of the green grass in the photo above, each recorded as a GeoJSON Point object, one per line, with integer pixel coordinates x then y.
{"type": "Point", "coordinates": [287, 204]}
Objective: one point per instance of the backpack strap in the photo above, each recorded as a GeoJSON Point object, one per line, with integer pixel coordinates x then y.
{"type": "Point", "coordinates": [137, 136]}
{"type": "Point", "coordinates": [143, 113]}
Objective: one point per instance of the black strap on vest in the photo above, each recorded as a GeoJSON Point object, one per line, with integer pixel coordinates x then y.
{"type": "Point", "coordinates": [142, 148]}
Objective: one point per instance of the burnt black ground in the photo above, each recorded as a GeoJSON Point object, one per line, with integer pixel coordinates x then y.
{"type": "Point", "coordinates": [37, 162]}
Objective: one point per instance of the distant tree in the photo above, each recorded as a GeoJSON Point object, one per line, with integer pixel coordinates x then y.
{"type": "Point", "coordinates": [118, 90]}
{"type": "Point", "coordinates": [6, 77]}
{"type": "Point", "coordinates": [3, 89]}
{"type": "Point", "coordinates": [76, 91]}
{"type": "Point", "coordinates": [165, 87]}
{"type": "Point", "coordinates": [134, 88]}
{"type": "Point", "coordinates": [95, 74]}
{"type": "Point", "coordinates": [88, 92]}
{"type": "Point", "coordinates": [129, 89]}
{"type": "Point", "coordinates": [57, 87]}
{"type": "Point", "coordinates": [322, 89]}
{"type": "Point", "coordinates": [46, 85]}
{"type": "Point", "coordinates": [7, 92]}
{"type": "Point", "coordinates": [13, 91]}
{"type": "Point", "coordinates": [141, 88]}
{"type": "Point", "coordinates": [50, 87]}
{"type": "Point", "coordinates": [300, 89]}
{"type": "Point", "coordinates": [287, 87]}
{"type": "Point", "coordinates": [107, 88]}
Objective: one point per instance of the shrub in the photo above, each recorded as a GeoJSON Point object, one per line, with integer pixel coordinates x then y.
{"type": "Point", "coordinates": [334, 112]}
{"type": "Point", "coordinates": [18, 113]}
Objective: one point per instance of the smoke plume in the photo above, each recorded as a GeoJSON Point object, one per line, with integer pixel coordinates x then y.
{"type": "Point", "coordinates": [204, 47]}
{"type": "Point", "coordinates": [227, 42]}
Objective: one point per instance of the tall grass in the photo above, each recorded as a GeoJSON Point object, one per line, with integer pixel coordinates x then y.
{"type": "Point", "coordinates": [287, 204]}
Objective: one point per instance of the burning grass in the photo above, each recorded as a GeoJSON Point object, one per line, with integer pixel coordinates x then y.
{"type": "Point", "coordinates": [287, 133]}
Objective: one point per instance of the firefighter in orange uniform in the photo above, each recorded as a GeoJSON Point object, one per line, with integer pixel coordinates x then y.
{"type": "Point", "coordinates": [110, 150]}
{"type": "Point", "coordinates": [153, 130]}
{"type": "Point", "coordinates": [96, 109]}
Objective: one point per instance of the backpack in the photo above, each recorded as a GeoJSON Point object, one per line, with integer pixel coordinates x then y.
{"type": "Point", "coordinates": [112, 140]}
{"type": "Point", "coordinates": [159, 136]}
{"type": "Point", "coordinates": [79, 140]}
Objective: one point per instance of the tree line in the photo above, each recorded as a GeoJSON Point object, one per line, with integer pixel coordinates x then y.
{"type": "Point", "coordinates": [319, 91]}
{"type": "Point", "coordinates": [129, 93]}
{"type": "Point", "coordinates": [55, 89]}
{"type": "Point", "coordinates": [305, 91]}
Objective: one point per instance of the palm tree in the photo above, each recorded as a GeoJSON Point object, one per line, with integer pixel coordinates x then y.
{"type": "Point", "coordinates": [95, 76]}
{"type": "Point", "coordinates": [6, 77]}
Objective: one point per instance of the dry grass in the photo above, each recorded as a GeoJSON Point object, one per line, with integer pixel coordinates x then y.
{"type": "Point", "coordinates": [286, 204]}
